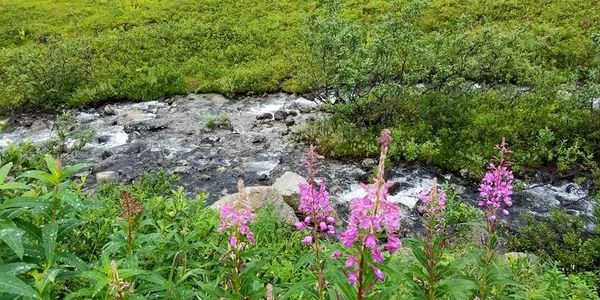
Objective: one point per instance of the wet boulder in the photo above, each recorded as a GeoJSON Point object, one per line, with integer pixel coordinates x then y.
{"type": "Point", "coordinates": [151, 125]}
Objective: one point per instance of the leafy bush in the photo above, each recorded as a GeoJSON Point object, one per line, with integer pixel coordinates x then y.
{"type": "Point", "coordinates": [561, 238]}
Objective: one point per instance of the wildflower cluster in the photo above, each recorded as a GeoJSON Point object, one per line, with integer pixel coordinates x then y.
{"type": "Point", "coordinates": [319, 220]}
{"type": "Point", "coordinates": [372, 218]}
{"type": "Point", "coordinates": [314, 202]}
{"type": "Point", "coordinates": [432, 208]}
{"type": "Point", "coordinates": [236, 217]}
{"type": "Point", "coordinates": [432, 204]}
{"type": "Point", "coordinates": [497, 185]}
{"type": "Point", "coordinates": [496, 193]}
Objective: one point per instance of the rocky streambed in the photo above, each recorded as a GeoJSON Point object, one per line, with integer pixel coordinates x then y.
{"type": "Point", "coordinates": [252, 138]}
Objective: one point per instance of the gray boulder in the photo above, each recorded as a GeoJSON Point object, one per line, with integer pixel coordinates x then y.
{"type": "Point", "coordinates": [262, 196]}
{"type": "Point", "coordinates": [287, 186]}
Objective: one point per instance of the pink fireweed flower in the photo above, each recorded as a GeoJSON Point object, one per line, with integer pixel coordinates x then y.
{"type": "Point", "coordinates": [372, 218]}
{"type": "Point", "coordinates": [314, 199]}
{"type": "Point", "coordinates": [496, 188]}
{"type": "Point", "coordinates": [432, 203]}
{"type": "Point", "coordinates": [235, 219]}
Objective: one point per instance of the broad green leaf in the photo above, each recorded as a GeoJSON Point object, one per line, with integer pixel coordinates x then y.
{"type": "Point", "coordinates": [457, 288]}
{"type": "Point", "coordinates": [340, 282]}
{"type": "Point", "coordinates": [67, 227]}
{"type": "Point", "coordinates": [305, 260]}
{"type": "Point", "coordinates": [53, 165]}
{"type": "Point", "coordinates": [4, 171]}
{"type": "Point", "coordinates": [30, 202]}
{"type": "Point", "coordinates": [71, 199]}
{"type": "Point", "coordinates": [14, 186]}
{"type": "Point", "coordinates": [49, 235]}
{"type": "Point", "coordinates": [13, 237]}
{"type": "Point", "coordinates": [32, 231]}
{"type": "Point", "coordinates": [41, 176]}
{"type": "Point", "coordinates": [10, 284]}
{"type": "Point", "coordinates": [17, 268]}
{"type": "Point", "coordinates": [72, 260]}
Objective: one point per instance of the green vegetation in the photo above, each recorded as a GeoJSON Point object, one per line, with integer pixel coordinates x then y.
{"type": "Point", "coordinates": [79, 52]}
{"type": "Point", "coordinates": [450, 94]}
{"type": "Point", "coordinates": [408, 65]}
{"type": "Point", "coordinates": [561, 238]}
{"type": "Point", "coordinates": [58, 241]}
{"type": "Point", "coordinates": [219, 122]}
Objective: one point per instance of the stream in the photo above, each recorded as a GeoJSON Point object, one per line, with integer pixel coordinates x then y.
{"type": "Point", "coordinates": [259, 147]}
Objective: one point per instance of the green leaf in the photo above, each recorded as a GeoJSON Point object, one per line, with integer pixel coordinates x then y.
{"type": "Point", "coordinates": [49, 235]}
{"type": "Point", "coordinates": [72, 260]}
{"type": "Point", "coordinates": [13, 237]}
{"type": "Point", "coordinates": [31, 230]}
{"type": "Point", "coordinates": [10, 284]}
{"type": "Point", "coordinates": [53, 165]}
{"type": "Point", "coordinates": [4, 171]}
{"type": "Point", "coordinates": [17, 268]}
{"type": "Point", "coordinates": [71, 199]}
{"type": "Point", "coordinates": [340, 282]}
{"type": "Point", "coordinates": [14, 186]}
{"type": "Point", "coordinates": [70, 170]}
{"type": "Point", "coordinates": [305, 260]}
{"type": "Point", "coordinates": [456, 288]}
{"type": "Point", "coordinates": [41, 176]}
{"type": "Point", "coordinates": [30, 202]}
{"type": "Point", "coordinates": [67, 227]}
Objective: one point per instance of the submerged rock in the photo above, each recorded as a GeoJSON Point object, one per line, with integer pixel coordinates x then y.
{"type": "Point", "coordinates": [109, 110]}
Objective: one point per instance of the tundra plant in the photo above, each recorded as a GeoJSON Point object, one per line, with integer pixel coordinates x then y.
{"type": "Point", "coordinates": [318, 219]}
{"type": "Point", "coordinates": [373, 218]}
{"type": "Point", "coordinates": [496, 195]}
{"type": "Point", "coordinates": [235, 219]}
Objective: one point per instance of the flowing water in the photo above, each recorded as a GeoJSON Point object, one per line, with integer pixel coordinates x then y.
{"type": "Point", "coordinates": [171, 134]}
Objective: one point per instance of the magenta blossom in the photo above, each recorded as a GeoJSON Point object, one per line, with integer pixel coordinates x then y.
{"type": "Point", "coordinates": [236, 218]}
{"type": "Point", "coordinates": [432, 209]}
{"type": "Point", "coordinates": [496, 188]}
{"type": "Point", "coordinates": [314, 202]}
{"type": "Point", "coordinates": [373, 218]}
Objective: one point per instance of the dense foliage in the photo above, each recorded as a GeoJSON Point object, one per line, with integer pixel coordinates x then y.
{"type": "Point", "coordinates": [77, 52]}
{"type": "Point", "coordinates": [150, 240]}
{"type": "Point", "coordinates": [450, 94]}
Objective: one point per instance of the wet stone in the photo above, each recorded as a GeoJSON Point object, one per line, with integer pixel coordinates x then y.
{"type": "Point", "coordinates": [265, 116]}
{"type": "Point", "coordinates": [257, 139]}
{"type": "Point", "coordinates": [103, 139]}
{"type": "Point", "coordinates": [106, 154]}
{"type": "Point", "coordinates": [280, 115]}
{"type": "Point", "coordinates": [134, 148]}
{"type": "Point", "coordinates": [109, 110]}
{"type": "Point", "coordinates": [108, 176]}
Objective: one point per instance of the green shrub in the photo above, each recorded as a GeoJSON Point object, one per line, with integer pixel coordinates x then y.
{"type": "Point", "coordinates": [562, 239]}
{"type": "Point", "coordinates": [219, 122]}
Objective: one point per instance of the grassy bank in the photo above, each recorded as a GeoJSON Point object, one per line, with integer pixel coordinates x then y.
{"type": "Point", "coordinates": [80, 52]}
{"type": "Point", "coordinates": [407, 65]}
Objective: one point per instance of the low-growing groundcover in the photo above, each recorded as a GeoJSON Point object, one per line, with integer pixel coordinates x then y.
{"type": "Point", "coordinates": [150, 240]}
{"type": "Point", "coordinates": [450, 78]}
